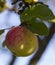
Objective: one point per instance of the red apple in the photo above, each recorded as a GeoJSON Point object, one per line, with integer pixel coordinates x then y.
{"type": "Point", "coordinates": [21, 41]}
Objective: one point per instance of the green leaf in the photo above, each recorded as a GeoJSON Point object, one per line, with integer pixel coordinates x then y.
{"type": "Point", "coordinates": [52, 20]}
{"type": "Point", "coordinates": [4, 44]}
{"type": "Point", "coordinates": [38, 27]}
{"type": "Point", "coordinates": [1, 31]}
{"type": "Point", "coordinates": [27, 15]}
{"type": "Point", "coordinates": [41, 11]}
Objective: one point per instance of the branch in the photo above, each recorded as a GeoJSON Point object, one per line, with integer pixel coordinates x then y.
{"type": "Point", "coordinates": [42, 46]}
{"type": "Point", "coordinates": [13, 60]}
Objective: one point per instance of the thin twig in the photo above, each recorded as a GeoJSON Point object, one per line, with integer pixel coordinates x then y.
{"type": "Point", "coordinates": [13, 60]}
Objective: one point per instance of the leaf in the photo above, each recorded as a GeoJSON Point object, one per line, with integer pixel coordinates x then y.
{"type": "Point", "coordinates": [1, 31]}
{"type": "Point", "coordinates": [52, 20]}
{"type": "Point", "coordinates": [27, 15]}
{"type": "Point", "coordinates": [38, 27]}
{"type": "Point", "coordinates": [41, 11]}
{"type": "Point", "coordinates": [4, 44]}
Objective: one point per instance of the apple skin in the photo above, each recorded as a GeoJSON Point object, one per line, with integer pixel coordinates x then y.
{"type": "Point", "coordinates": [2, 5]}
{"type": "Point", "coordinates": [21, 41]}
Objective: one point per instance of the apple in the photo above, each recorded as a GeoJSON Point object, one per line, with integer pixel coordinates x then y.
{"type": "Point", "coordinates": [21, 41]}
